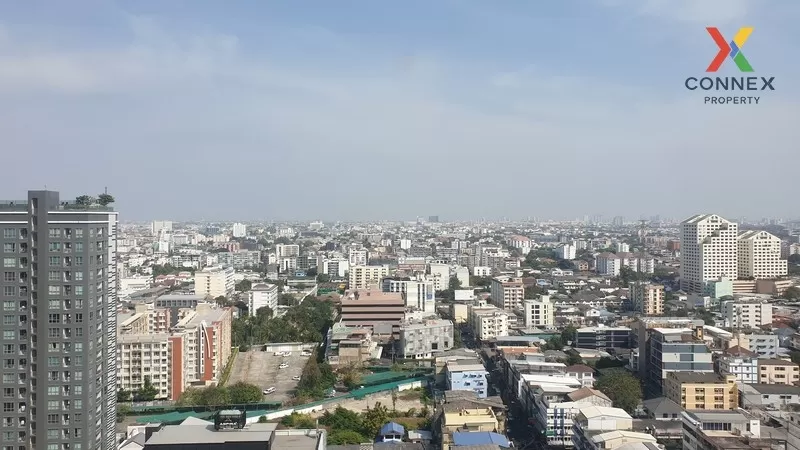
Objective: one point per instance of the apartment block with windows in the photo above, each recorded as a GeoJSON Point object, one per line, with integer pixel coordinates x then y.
{"type": "Point", "coordinates": [425, 339]}
{"type": "Point", "coordinates": [778, 371]}
{"type": "Point", "coordinates": [760, 256]}
{"type": "Point", "coordinates": [214, 282]}
{"type": "Point", "coordinates": [59, 307]}
{"type": "Point", "coordinates": [647, 298]}
{"type": "Point", "coordinates": [702, 391]}
{"type": "Point", "coordinates": [488, 322]}
{"type": "Point", "coordinates": [709, 250]}
{"type": "Point", "coordinates": [746, 313]}
{"type": "Point", "coordinates": [677, 350]}
{"type": "Point", "coordinates": [507, 293]}
{"type": "Point", "coordinates": [539, 313]}
{"type": "Point", "coordinates": [363, 277]}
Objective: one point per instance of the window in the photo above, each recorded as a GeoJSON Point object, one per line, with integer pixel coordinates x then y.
{"type": "Point", "coordinates": [9, 291]}
{"type": "Point", "coordinates": [79, 318]}
{"type": "Point", "coordinates": [52, 419]}
{"type": "Point", "coordinates": [53, 390]}
{"type": "Point", "coordinates": [54, 290]}
{"type": "Point", "coordinates": [53, 361]}
{"type": "Point", "coordinates": [78, 374]}
{"type": "Point", "coordinates": [54, 275]}
{"type": "Point", "coordinates": [53, 405]}
{"type": "Point", "coordinates": [9, 247]}
{"type": "Point", "coordinates": [55, 246]}
{"type": "Point", "coordinates": [53, 433]}
{"type": "Point", "coordinates": [9, 305]}
{"type": "Point", "coordinates": [10, 233]}
{"type": "Point", "coordinates": [78, 247]}
{"type": "Point", "coordinates": [78, 389]}
{"type": "Point", "coordinates": [78, 232]}
{"type": "Point", "coordinates": [9, 320]}
{"type": "Point", "coordinates": [55, 232]}
{"type": "Point", "coordinates": [55, 261]}
{"type": "Point", "coordinates": [9, 335]}
{"type": "Point", "coordinates": [79, 260]}
{"type": "Point", "coordinates": [77, 404]}
{"type": "Point", "coordinates": [54, 318]}
{"type": "Point", "coordinates": [54, 304]}
{"type": "Point", "coordinates": [78, 276]}
{"type": "Point", "coordinates": [78, 347]}
{"type": "Point", "coordinates": [79, 291]}
{"type": "Point", "coordinates": [9, 262]}
{"type": "Point", "coordinates": [10, 276]}
{"type": "Point", "coordinates": [9, 349]}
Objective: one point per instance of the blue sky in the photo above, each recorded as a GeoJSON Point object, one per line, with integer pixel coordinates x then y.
{"type": "Point", "coordinates": [367, 110]}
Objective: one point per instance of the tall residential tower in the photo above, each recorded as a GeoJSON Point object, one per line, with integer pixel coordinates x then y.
{"type": "Point", "coordinates": [59, 324]}
{"type": "Point", "coordinates": [709, 250]}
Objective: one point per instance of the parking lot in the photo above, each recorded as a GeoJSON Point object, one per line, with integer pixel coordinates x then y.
{"type": "Point", "coordinates": [261, 369]}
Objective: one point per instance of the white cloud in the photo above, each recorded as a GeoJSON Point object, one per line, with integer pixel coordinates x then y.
{"type": "Point", "coordinates": [717, 12]}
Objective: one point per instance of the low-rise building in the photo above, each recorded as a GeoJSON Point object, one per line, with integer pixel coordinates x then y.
{"type": "Point", "coordinates": [746, 313]}
{"type": "Point", "coordinates": [507, 293]}
{"type": "Point", "coordinates": [599, 427]}
{"type": "Point", "coordinates": [702, 391]}
{"type": "Point", "coordinates": [539, 313]}
{"type": "Point", "coordinates": [489, 322]}
{"type": "Point", "coordinates": [647, 298]}
{"type": "Point", "coordinates": [464, 375]}
{"type": "Point", "coordinates": [262, 295]}
{"type": "Point", "coordinates": [719, 430]}
{"type": "Point", "coordinates": [214, 282]}
{"type": "Point", "coordinates": [347, 346]}
{"type": "Point", "coordinates": [424, 339]}
{"type": "Point", "coordinates": [603, 337]}
{"type": "Point", "coordinates": [778, 371]}
{"type": "Point", "coordinates": [741, 363]}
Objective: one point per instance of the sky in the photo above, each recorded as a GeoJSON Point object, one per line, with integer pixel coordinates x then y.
{"type": "Point", "coordinates": [365, 110]}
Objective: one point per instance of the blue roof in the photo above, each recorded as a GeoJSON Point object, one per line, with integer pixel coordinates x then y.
{"type": "Point", "coordinates": [392, 428]}
{"type": "Point", "coordinates": [479, 438]}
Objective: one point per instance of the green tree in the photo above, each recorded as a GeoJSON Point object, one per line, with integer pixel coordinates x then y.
{"type": "Point", "coordinates": [622, 388]}
{"type": "Point", "coordinates": [345, 437]}
{"type": "Point", "coordinates": [124, 395]}
{"type": "Point", "coordinates": [458, 340]}
{"type": "Point", "coordinates": [190, 397]}
{"type": "Point", "coordinates": [791, 293]}
{"type": "Point", "coordinates": [606, 362]}
{"type": "Point", "coordinates": [342, 419]}
{"type": "Point", "coordinates": [105, 199]}
{"type": "Point", "coordinates": [263, 419]}
{"type": "Point", "coordinates": [795, 356]}
{"type": "Point", "coordinates": [241, 393]}
{"type": "Point", "coordinates": [85, 200]}
{"type": "Point", "coordinates": [244, 285]}
{"type": "Point", "coordinates": [215, 396]}
{"type": "Point", "coordinates": [574, 358]}
{"type": "Point", "coordinates": [373, 419]}
{"type": "Point", "coordinates": [323, 278]}
{"type": "Point", "coordinates": [568, 334]}
{"type": "Point", "coordinates": [147, 392]}
{"type": "Point", "coordinates": [297, 420]}
{"type": "Point", "coordinates": [122, 411]}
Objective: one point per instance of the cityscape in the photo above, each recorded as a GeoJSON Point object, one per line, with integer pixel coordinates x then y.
{"type": "Point", "coordinates": [415, 225]}
{"type": "Point", "coordinates": [586, 334]}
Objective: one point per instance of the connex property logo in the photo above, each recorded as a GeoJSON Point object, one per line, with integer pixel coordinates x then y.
{"type": "Point", "coordinates": [730, 86]}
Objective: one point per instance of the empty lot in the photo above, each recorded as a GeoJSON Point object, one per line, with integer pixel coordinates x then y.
{"type": "Point", "coordinates": [261, 369]}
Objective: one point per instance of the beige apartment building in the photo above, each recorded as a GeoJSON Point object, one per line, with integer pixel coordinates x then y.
{"type": "Point", "coordinates": [363, 277]}
{"type": "Point", "coordinates": [507, 293]}
{"type": "Point", "coordinates": [760, 256]}
{"type": "Point", "coordinates": [702, 391]}
{"type": "Point", "coordinates": [193, 352]}
{"type": "Point", "coordinates": [709, 246]}
{"type": "Point", "coordinates": [214, 282]}
{"type": "Point", "coordinates": [778, 371]}
{"type": "Point", "coordinates": [647, 298]}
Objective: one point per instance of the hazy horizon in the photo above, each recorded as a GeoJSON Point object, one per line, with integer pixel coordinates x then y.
{"type": "Point", "coordinates": [358, 111]}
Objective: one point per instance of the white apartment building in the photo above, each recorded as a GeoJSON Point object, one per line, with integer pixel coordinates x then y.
{"type": "Point", "coordinates": [261, 295]}
{"type": "Point", "coordinates": [622, 247]}
{"type": "Point", "coordinates": [462, 275]}
{"type": "Point", "coordinates": [239, 230]}
{"type": "Point", "coordinates": [419, 293]}
{"type": "Point", "coordinates": [482, 271]}
{"type": "Point", "coordinates": [647, 298]}
{"type": "Point", "coordinates": [334, 267]}
{"type": "Point", "coordinates": [488, 322]}
{"type": "Point", "coordinates": [539, 313]}
{"type": "Point", "coordinates": [358, 257]}
{"type": "Point", "coordinates": [157, 226]}
{"type": "Point", "coordinates": [440, 275]}
{"type": "Point", "coordinates": [709, 250]}
{"type": "Point", "coordinates": [522, 243]}
{"type": "Point", "coordinates": [404, 244]}
{"type": "Point", "coordinates": [607, 264]}
{"type": "Point", "coordinates": [743, 364]}
{"type": "Point", "coordinates": [287, 250]}
{"type": "Point", "coordinates": [746, 313]}
{"type": "Point", "coordinates": [507, 293]}
{"type": "Point", "coordinates": [760, 256]}
{"type": "Point", "coordinates": [361, 277]}
{"type": "Point", "coordinates": [424, 339]}
{"type": "Point", "coordinates": [566, 251]}
{"type": "Point", "coordinates": [214, 282]}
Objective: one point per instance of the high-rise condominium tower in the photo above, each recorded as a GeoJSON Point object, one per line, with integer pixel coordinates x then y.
{"type": "Point", "coordinates": [58, 293]}
{"type": "Point", "coordinates": [709, 250]}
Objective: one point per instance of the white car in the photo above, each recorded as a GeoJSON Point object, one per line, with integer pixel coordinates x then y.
{"type": "Point", "coordinates": [296, 378]}
{"type": "Point", "coordinates": [283, 366]}
{"type": "Point", "coordinates": [268, 390]}
{"type": "Point", "coordinates": [287, 353]}
{"type": "Point", "coordinates": [305, 354]}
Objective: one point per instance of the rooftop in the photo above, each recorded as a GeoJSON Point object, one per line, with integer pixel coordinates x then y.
{"type": "Point", "coordinates": [206, 434]}
{"type": "Point", "coordinates": [697, 377]}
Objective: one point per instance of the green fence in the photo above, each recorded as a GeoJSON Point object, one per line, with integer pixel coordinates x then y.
{"type": "Point", "coordinates": [260, 409]}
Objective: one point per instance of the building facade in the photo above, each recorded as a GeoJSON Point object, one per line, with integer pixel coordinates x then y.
{"type": "Point", "coordinates": [507, 293]}
{"type": "Point", "coordinates": [702, 391]}
{"type": "Point", "coordinates": [424, 339]}
{"type": "Point", "coordinates": [709, 250]}
{"type": "Point", "coordinates": [214, 282]}
{"type": "Point", "coordinates": [363, 277]}
{"type": "Point", "coordinates": [262, 295]}
{"type": "Point", "coordinates": [647, 298]}
{"type": "Point", "coordinates": [760, 256]}
{"type": "Point", "coordinates": [539, 313]}
{"type": "Point", "coordinates": [60, 310]}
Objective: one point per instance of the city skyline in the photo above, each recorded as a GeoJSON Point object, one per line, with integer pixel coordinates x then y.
{"type": "Point", "coordinates": [272, 110]}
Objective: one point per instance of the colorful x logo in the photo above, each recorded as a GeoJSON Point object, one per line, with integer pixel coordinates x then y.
{"type": "Point", "coordinates": [733, 49]}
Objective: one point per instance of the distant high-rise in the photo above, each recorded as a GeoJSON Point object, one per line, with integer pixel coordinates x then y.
{"type": "Point", "coordinates": [709, 250]}
{"type": "Point", "coordinates": [239, 230]}
{"type": "Point", "coordinates": [59, 376]}
{"type": "Point", "coordinates": [433, 219]}
{"type": "Point", "coordinates": [160, 225]}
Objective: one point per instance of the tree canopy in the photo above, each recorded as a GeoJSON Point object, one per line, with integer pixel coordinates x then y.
{"type": "Point", "coordinates": [622, 388]}
{"type": "Point", "coordinates": [307, 322]}
{"type": "Point", "coordinates": [236, 394]}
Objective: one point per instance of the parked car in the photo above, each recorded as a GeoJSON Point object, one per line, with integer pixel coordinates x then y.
{"type": "Point", "coordinates": [283, 366]}
{"type": "Point", "coordinates": [268, 390]}
{"type": "Point", "coordinates": [305, 353]}
{"type": "Point", "coordinates": [296, 378]}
